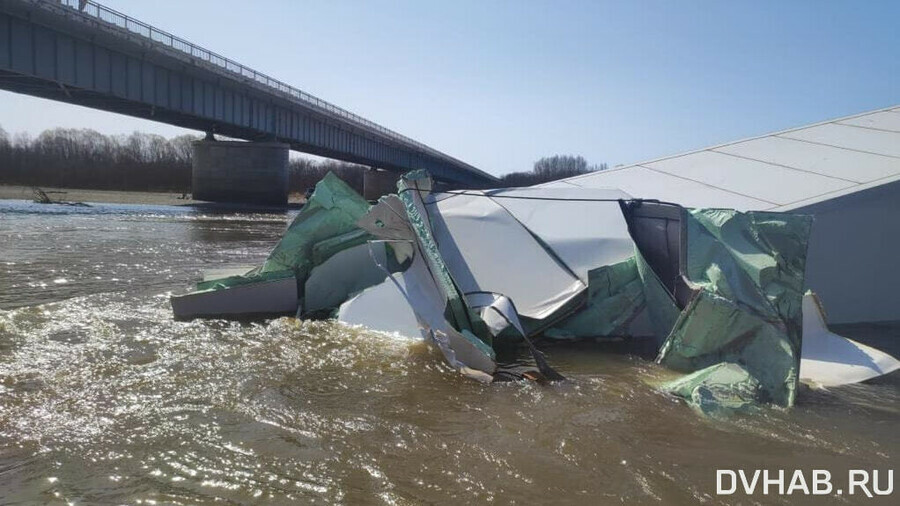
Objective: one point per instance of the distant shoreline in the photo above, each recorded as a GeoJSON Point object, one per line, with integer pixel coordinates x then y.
{"type": "Point", "coordinates": [13, 192]}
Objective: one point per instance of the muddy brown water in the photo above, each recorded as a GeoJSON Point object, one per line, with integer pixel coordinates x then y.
{"type": "Point", "coordinates": [104, 399]}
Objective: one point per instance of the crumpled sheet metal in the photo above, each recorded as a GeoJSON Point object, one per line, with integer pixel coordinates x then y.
{"type": "Point", "coordinates": [717, 389]}
{"type": "Point", "coordinates": [746, 269]}
{"type": "Point", "coordinates": [426, 296]}
{"type": "Point", "coordinates": [330, 213]}
{"type": "Point", "coordinates": [412, 189]}
{"type": "Point", "coordinates": [616, 306]}
{"type": "Point", "coordinates": [325, 226]}
{"type": "Point", "coordinates": [713, 330]}
{"type": "Point", "coordinates": [748, 273]}
{"type": "Point", "coordinates": [487, 250]}
{"type": "Point", "coordinates": [737, 337]}
{"type": "Point", "coordinates": [344, 274]}
{"type": "Point", "coordinates": [488, 238]}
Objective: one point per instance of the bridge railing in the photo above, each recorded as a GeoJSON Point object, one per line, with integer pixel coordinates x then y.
{"type": "Point", "coordinates": [103, 13]}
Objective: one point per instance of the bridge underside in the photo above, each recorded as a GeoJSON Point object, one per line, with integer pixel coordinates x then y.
{"type": "Point", "coordinates": [61, 56]}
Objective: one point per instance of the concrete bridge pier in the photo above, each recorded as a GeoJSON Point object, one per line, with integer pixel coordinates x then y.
{"type": "Point", "coordinates": [240, 172]}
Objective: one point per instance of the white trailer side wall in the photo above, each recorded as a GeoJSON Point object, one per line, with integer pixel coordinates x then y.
{"type": "Point", "coordinates": [854, 255]}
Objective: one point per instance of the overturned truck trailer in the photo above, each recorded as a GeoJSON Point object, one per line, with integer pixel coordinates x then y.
{"type": "Point", "coordinates": [718, 292]}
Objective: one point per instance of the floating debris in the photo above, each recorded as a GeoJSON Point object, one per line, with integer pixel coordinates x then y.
{"type": "Point", "coordinates": [41, 197]}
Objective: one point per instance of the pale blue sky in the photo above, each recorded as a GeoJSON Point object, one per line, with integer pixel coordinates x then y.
{"type": "Point", "coordinates": [502, 83]}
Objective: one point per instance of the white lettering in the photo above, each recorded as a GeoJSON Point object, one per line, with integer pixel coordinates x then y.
{"type": "Point", "coordinates": [798, 482]}
{"type": "Point", "coordinates": [870, 482]}
{"type": "Point", "coordinates": [854, 481]}
{"type": "Point", "coordinates": [773, 481]}
{"type": "Point", "coordinates": [821, 477]}
{"type": "Point", "coordinates": [749, 487]}
{"type": "Point", "coordinates": [725, 472]}
{"type": "Point", "coordinates": [890, 486]}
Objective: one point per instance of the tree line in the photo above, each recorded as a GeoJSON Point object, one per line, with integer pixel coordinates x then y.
{"type": "Point", "coordinates": [551, 168]}
{"type": "Point", "coordinates": [85, 158]}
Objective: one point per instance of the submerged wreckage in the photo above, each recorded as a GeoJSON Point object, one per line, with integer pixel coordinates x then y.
{"type": "Point", "coordinates": [718, 292]}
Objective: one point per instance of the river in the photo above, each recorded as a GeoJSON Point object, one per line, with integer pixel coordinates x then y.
{"type": "Point", "coordinates": [104, 399]}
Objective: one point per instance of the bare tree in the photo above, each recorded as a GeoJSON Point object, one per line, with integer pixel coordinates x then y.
{"type": "Point", "coordinates": [551, 168]}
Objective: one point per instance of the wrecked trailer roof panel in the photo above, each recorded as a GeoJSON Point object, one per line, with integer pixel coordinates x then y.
{"type": "Point", "coordinates": [719, 290]}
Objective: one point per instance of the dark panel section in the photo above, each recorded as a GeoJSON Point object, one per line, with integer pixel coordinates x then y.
{"type": "Point", "coordinates": [175, 91]}
{"type": "Point", "coordinates": [134, 79]}
{"type": "Point", "coordinates": [659, 234]}
{"type": "Point", "coordinates": [198, 97]}
{"type": "Point", "coordinates": [219, 112]}
{"type": "Point", "coordinates": [162, 87]}
{"type": "Point", "coordinates": [228, 112]}
{"type": "Point", "coordinates": [4, 41]}
{"type": "Point", "coordinates": [148, 82]}
{"type": "Point", "coordinates": [84, 65]}
{"type": "Point", "coordinates": [256, 114]}
{"type": "Point", "coordinates": [238, 108]}
{"type": "Point", "coordinates": [209, 100]}
{"type": "Point", "coordinates": [22, 47]}
{"type": "Point", "coordinates": [65, 59]}
{"type": "Point", "coordinates": [101, 70]}
{"type": "Point", "coordinates": [187, 94]}
{"type": "Point", "coordinates": [118, 74]}
{"type": "Point", "coordinates": [44, 53]}
{"type": "Point", "coordinates": [245, 110]}
{"type": "Point", "coordinates": [265, 120]}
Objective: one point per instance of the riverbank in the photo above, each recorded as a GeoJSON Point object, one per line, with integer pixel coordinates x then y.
{"type": "Point", "coordinates": [100, 196]}
{"type": "Point", "coordinates": [11, 192]}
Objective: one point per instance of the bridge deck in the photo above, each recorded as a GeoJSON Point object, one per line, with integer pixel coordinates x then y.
{"type": "Point", "coordinates": [85, 53]}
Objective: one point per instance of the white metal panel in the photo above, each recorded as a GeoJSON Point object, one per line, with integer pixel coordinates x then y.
{"type": "Point", "coordinates": [826, 197]}
{"type": "Point", "coordinates": [277, 296]}
{"type": "Point", "coordinates": [759, 180]}
{"type": "Point", "coordinates": [884, 120]}
{"type": "Point", "coordinates": [843, 136]}
{"type": "Point", "coordinates": [851, 222]}
{"type": "Point", "coordinates": [427, 301]}
{"type": "Point", "coordinates": [584, 234]}
{"type": "Point", "coordinates": [384, 308]}
{"type": "Point", "coordinates": [345, 273]}
{"type": "Point", "coordinates": [852, 255]}
{"type": "Point", "coordinates": [568, 192]}
{"type": "Point", "coordinates": [826, 160]}
{"type": "Point", "coordinates": [644, 183]}
{"type": "Point", "coordinates": [562, 183]}
{"type": "Point", "coordinates": [485, 249]}
{"type": "Point", "coordinates": [827, 359]}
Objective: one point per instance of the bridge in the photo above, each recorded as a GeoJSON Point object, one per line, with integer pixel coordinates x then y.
{"type": "Point", "coordinates": [84, 53]}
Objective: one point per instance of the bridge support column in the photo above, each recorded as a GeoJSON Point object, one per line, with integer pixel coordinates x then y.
{"type": "Point", "coordinates": [377, 182]}
{"type": "Point", "coordinates": [240, 172]}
